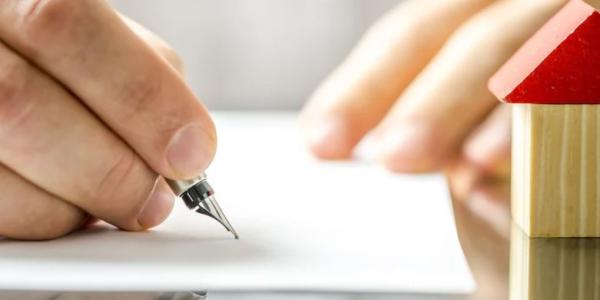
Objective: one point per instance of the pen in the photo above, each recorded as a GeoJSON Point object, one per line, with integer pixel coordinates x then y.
{"type": "Point", "coordinates": [197, 194]}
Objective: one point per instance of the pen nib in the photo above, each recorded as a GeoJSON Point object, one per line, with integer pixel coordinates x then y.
{"type": "Point", "coordinates": [211, 208]}
{"type": "Point", "coordinates": [200, 197]}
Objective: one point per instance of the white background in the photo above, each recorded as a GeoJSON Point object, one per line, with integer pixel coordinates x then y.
{"type": "Point", "coordinates": [257, 54]}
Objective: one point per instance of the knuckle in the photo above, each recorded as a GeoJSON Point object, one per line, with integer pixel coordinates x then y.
{"type": "Point", "coordinates": [171, 56]}
{"type": "Point", "coordinates": [46, 21]}
{"type": "Point", "coordinates": [425, 155]}
{"type": "Point", "coordinates": [162, 48]}
{"type": "Point", "coordinates": [116, 195]}
{"type": "Point", "coordinates": [139, 95]}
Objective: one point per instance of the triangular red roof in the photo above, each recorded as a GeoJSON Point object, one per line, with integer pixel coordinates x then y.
{"type": "Point", "coordinates": [560, 64]}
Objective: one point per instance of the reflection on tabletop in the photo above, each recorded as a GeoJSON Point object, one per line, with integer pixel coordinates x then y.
{"type": "Point", "coordinates": [497, 251]}
{"type": "Point", "coordinates": [505, 262]}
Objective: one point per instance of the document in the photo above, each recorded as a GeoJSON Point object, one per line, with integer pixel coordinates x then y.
{"type": "Point", "coordinates": [304, 225]}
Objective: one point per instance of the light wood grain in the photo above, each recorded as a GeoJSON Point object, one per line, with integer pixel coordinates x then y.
{"type": "Point", "coordinates": [549, 269]}
{"type": "Point", "coordinates": [555, 170]}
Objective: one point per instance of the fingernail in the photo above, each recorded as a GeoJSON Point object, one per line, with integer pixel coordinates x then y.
{"type": "Point", "coordinates": [490, 149]}
{"type": "Point", "coordinates": [493, 161]}
{"type": "Point", "coordinates": [157, 207]}
{"type": "Point", "coordinates": [408, 148]}
{"type": "Point", "coordinates": [481, 148]}
{"type": "Point", "coordinates": [330, 138]}
{"type": "Point", "coordinates": [190, 151]}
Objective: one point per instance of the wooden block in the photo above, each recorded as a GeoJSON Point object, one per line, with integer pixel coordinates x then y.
{"type": "Point", "coordinates": [554, 83]}
{"type": "Point", "coordinates": [548, 269]}
{"type": "Point", "coordinates": [555, 170]}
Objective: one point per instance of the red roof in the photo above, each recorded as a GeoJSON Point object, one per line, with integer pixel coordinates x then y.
{"type": "Point", "coordinates": [560, 64]}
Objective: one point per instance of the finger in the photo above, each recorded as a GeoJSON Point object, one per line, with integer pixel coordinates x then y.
{"type": "Point", "coordinates": [488, 147]}
{"type": "Point", "coordinates": [450, 96]}
{"type": "Point", "coordinates": [29, 213]}
{"type": "Point", "coordinates": [156, 43]}
{"type": "Point", "coordinates": [359, 93]}
{"type": "Point", "coordinates": [88, 48]}
{"type": "Point", "coordinates": [52, 140]}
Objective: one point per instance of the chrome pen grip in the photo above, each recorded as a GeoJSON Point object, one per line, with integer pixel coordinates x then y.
{"type": "Point", "coordinates": [181, 186]}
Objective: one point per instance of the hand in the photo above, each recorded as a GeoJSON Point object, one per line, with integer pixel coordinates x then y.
{"type": "Point", "coordinates": [91, 113]}
{"type": "Point", "coordinates": [418, 82]}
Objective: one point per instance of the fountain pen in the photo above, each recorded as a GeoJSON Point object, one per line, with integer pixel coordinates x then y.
{"type": "Point", "coordinates": [198, 195]}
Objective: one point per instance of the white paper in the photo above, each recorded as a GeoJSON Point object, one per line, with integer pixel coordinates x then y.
{"type": "Point", "coordinates": [304, 225]}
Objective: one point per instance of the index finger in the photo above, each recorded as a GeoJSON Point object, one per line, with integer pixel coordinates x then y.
{"type": "Point", "coordinates": [89, 49]}
{"type": "Point", "coordinates": [355, 98]}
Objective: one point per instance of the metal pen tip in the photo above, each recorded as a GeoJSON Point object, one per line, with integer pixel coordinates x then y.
{"type": "Point", "coordinates": [211, 208]}
{"type": "Point", "coordinates": [235, 235]}
{"type": "Point", "coordinates": [198, 195]}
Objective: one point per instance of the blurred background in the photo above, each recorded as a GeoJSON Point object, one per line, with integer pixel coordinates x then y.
{"type": "Point", "coordinates": [257, 54]}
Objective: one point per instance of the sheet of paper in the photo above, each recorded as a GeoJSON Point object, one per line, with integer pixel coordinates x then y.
{"type": "Point", "coordinates": [304, 225]}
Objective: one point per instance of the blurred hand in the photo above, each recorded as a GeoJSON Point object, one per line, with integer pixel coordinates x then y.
{"type": "Point", "coordinates": [92, 111]}
{"type": "Point", "coordinates": [418, 82]}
